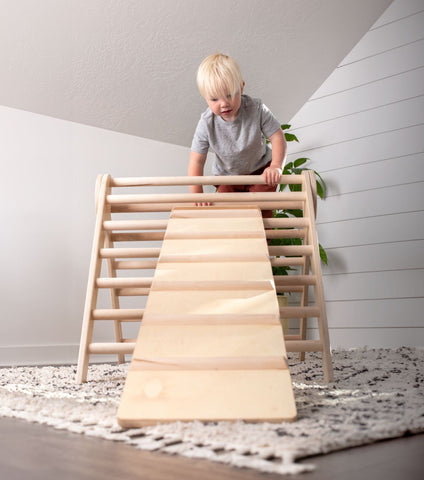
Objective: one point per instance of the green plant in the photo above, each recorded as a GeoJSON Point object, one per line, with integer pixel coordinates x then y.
{"type": "Point", "coordinates": [295, 168]}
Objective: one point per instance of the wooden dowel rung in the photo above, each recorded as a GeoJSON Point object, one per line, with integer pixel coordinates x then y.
{"type": "Point", "coordinates": [210, 319]}
{"type": "Point", "coordinates": [204, 197]}
{"type": "Point", "coordinates": [118, 314]}
{"type": "Point", "coordinates": [291, 233]}
{"type": "Point", "coordinates": [135, 225]}
{"type": "Point", "coordinates": [288, 288]}
{"type": "Point", "coordinates": [135, 264]}
{"type": "Point", "coordinates": [295, 279]}
{"type": "Point", "coordinates": [228, 211]}
{"type": "Point", "coordinates": [299, 312]}
{"type": "Point", "coordinates": [291, 222]}
{"type": "Point", "coordinates": [287, 261]}
{"type": "Point", "coordinates": [272, 205]}
{"type": "Point", "coordinates": [129, 252]}
{"type": "Point", "coordinates": [201, 180]}
{"type": "Point", "coordinates": [129, 340]}
{"type": "Point", "coordinates": [292, 337]}
{"type": "Point", "coordinates": [212, 285]}
{"type": "Point", "coordinates": [291, 250]}
{"type": "Point", "coordinates": [167, 207]}
{"type": "Point", "coordinates": [212, 235]}
{"type": "Point", "coordinates": [137, 237]}
{"type": "Point", "coordinates": [212, 257]}
{"type": "Point", "coordinates": [111, 348]}
{"type": "Point", "coordinates": [132, 292]}
{"type": "Point", "coordinates": [304, 346]}
{"type": "Point", "coordinates": [124, 282]}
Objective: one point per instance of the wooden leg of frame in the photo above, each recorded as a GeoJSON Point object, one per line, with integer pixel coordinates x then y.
{"type": "Point", "coordinates": [316, 270]}
{"type": "Point", "coordinates": [304, 303]}
{"type": "Point", "coordinates": [94, 272]}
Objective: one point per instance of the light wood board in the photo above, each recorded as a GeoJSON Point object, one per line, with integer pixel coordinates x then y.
{"type": "Point", "coordinates": [210, 346]}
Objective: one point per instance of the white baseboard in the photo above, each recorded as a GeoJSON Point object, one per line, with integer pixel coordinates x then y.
{"type": "Point", "coordinates": [22, 355]}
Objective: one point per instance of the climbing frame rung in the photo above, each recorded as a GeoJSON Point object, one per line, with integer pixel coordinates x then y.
{"type": "Point", "coordinates": [124, 282]}
{"type": "Point", "coordinates": [135, 264]}
{"type": "Point", "coordinates": [129, 252]}
{"type": "Point", "coordinates": [304, 346]}
{"type": "Point", "coordinates": [299, 312]}
{"type": "Point", "coordinates": [118, 314]}
{"type": "Point", "coordinates": [111, 348]}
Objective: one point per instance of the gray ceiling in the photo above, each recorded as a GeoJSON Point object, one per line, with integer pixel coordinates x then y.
{"type": "Point", "coordinates": [130, 65]}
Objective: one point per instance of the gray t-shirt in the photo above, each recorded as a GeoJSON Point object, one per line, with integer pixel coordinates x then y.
{"type": "Point", "coordinates": [240, 146]}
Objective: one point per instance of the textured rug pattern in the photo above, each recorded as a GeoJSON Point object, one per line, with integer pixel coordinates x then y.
{"type": "Point", "coordinates": [377, 394]}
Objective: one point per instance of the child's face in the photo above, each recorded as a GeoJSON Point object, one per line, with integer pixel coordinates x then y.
{"type": "Point", "coordinates": [225, 106]}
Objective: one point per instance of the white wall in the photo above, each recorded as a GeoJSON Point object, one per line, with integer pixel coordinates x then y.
{"type": "Point", "coordinates": [49, 168]}
{"type": "Point", "coordinates": [364, 131]}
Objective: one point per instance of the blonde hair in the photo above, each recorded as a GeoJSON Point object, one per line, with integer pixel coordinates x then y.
{"type": "Point", "coordinates": [219, 75]}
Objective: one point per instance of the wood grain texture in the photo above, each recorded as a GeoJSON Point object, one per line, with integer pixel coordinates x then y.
{"type": "Point", "coordinates": [209, 371]}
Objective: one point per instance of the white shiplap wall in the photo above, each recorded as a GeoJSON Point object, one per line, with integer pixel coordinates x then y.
{"type": "Point", "coordinates": [364, 132]}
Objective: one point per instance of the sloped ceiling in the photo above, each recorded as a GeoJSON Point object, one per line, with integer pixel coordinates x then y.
{"type": "Point", "coordinates": [130, 65]}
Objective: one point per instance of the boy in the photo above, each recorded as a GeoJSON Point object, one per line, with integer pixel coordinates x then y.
{"type": "Point", "coordinates": [234, 127]}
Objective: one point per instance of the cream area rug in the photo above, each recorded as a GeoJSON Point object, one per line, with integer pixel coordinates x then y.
{"type": "Point", "coordinates": [377, 394]}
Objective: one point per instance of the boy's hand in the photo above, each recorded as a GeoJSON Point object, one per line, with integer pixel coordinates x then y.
{"type": "Point", "coordinates": [195, 168]}
{"type": "Point", "coordinates": [271, 175]}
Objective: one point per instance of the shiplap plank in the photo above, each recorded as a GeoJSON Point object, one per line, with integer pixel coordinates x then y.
{"type": "Point", "coordinates": [389, 117]}
{"type": "Point", "coordinates": [372, 203]}
{"type": "Point", "coordinates": [388, 90]}
{"type": "Point", "coordinates": [364, 231]}
{"type": "Point", "coordinates": [374, 68]}
{"type": "Point", "coordinates": [395, 171]}
{"type": "Point", "coordinates": [397, 10]}
{"type": "Point", "coordinates": [393, 144]}
{"type": "Point", "coordinates": [374, 285]}
{"type": "Point", "coordinates": [376, 313]}
{"type": "Point", "coordinates": [373, 337]}
{"type": "Point", "coordinates": [391, 35]}
{"type": "Point", "coordinates": [372, 258]}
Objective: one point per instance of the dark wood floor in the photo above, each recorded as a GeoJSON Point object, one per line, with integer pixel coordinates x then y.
{"type": "Point", "coordinates": [35, 452]}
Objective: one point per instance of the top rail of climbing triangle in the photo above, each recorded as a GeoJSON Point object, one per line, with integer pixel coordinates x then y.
{"type": "Point", "coordinates": [201, 180]}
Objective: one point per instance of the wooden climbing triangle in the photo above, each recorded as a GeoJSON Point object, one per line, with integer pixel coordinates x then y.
{"type": "Point", "coordinates": [132, 217]}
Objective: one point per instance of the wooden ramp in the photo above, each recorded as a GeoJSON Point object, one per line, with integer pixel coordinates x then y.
{"type": "Point", "coordinates": [211, 345]}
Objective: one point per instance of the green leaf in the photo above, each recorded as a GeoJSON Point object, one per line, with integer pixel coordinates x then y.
{"type": "Point", "coordinates": [300, 161]}
{"type": "Point", "coordinates": [296, 212]}
{"type": "Point", "coordinates": [323, 184]}
{"type": "Point", "coordinates": [323, 254]}
{"type": "Point", "coordinates": [285, 126]}
{"type": "Point", "coordinates": [320, 191]}
{"type": "Point", "coordinates": [290, 137]}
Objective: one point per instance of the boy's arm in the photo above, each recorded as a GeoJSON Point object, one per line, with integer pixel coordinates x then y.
{"type": "Point", "coordinates": [195, 169]}
{"type": "Point", "coordinates": [272, 174]}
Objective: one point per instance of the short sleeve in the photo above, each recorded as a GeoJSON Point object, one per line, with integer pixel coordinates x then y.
{"type": "Point", "coordinates": [269, 124]}
{"type": "Point", "coordinates": [200, 143]}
